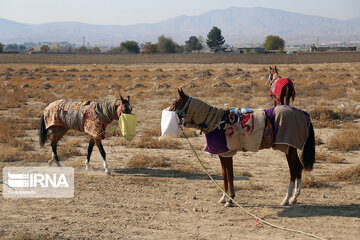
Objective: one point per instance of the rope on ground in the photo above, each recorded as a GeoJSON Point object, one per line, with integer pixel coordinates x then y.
{"type": "Point", "coordinates": [237, 204]}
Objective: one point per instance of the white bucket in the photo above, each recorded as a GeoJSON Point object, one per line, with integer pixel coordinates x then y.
{"type": "Point", "coordinates": [169, 124]}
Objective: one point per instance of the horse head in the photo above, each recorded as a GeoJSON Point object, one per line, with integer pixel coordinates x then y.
{"type": "Point", "coordinates": [123, 105]}
{"type": "Point", "coordinates": [274, 73]}
{"type": "Point", "coordinates": [179, 103]}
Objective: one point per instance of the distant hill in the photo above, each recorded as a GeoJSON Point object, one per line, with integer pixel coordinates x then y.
{"type": "Point", "coordinates": [238, 25]}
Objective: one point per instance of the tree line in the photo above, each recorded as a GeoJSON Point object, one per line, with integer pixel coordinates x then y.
{"type": "Point", "coordinates": [214, 41]}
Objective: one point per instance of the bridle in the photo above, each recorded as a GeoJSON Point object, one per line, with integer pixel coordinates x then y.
{"type": "Point", "coordinates": [182, 111]}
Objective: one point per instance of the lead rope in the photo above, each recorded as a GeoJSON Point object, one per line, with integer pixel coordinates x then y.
{"type": "Point", "coordinates": [237, 204]}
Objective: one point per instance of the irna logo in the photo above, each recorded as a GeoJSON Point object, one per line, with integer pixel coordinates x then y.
{"type": "Point", "coordinates": [38, 182]}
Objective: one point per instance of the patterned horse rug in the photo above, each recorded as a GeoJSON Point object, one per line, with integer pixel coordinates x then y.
{"type": "Point", "coordinates": [276, 87]}
{"type": "Point", "coordinates": [89, 117]}
{"type": "Point", "coordinates": [278, 127]}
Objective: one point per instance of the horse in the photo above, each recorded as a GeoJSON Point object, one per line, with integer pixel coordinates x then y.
{"type": "Point", "coordinates": [88, 116]}
{"type": "Point", "coordinates": [281, 89]}
{"type": "Point", "coordinates": [283, 128]}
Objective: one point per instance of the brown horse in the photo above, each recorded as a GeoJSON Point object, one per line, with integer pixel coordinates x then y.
{"type": "Point", "coordinates": [281, 89]}
{"type": "Point", "coordinates": [282, 128]}
{"type": "Point", "coordinates": [89, 117]}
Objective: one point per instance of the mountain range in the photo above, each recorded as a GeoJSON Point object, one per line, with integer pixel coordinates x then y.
{"type": "Point", "coordinates": [239, 26]}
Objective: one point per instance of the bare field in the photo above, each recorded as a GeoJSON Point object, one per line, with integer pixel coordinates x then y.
{"type": "Point", "coordinates": [297, 58]}
{"type": "Point", "coordinates": [158, 190]}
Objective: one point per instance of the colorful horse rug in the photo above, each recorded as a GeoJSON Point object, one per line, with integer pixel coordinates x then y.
{"type": "Point", "coordinates": [278, 127]}
{"type": "Point", "coordinates": [276, 87]}
{"type": "Point", "coordinates": [89, 117]}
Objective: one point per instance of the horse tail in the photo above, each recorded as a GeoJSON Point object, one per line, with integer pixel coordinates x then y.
{"type": "Point", "coordinates": [287, 92]}
{"type": "Point", "coordinates": [308, 154]}
{"type": "Point", "coordinates": [43, 131]}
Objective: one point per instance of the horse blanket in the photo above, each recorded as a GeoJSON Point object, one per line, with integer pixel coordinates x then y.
{"type": "Point", "coordinates": [89, 117]}
{"type": "Point", "coordinates": [278, 127]}
{"type": "Point", "coordinates": [276, 87]}
{"type": "Point", "coordinates": [201, 112]}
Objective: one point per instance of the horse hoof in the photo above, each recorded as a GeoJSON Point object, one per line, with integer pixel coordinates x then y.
{"type": "Point", "coordinates": [107, 171]}
{"type": "Point", "coordinates": [88, 167]}
{"type": "Point", "coordinates": [228, 204]}
{"type": "Point", "coordinates": [285, 202]}
{"type": "Point", "coordinates": [222, 200]}
{"type": "Point", "coordinates": [293, 201]}
{"type": "Point", "coordinates": [58, 164]}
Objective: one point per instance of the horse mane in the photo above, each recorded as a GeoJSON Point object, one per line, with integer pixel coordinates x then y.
{"type": "Point", "coordinates": [106, 111]}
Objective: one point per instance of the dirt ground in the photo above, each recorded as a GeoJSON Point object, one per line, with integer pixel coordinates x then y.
{"type": "Point", "coordinates": [160, 191]}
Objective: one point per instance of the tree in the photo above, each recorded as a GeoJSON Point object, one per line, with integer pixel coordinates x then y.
{"type": "Point", "coordinates": [82, 49]}
{"type": "Point", "coordinates": [214, 39]}
{"type": "Point", "coordinates": [95, 50]}
{"type": "Point", "coordinates": [44, 49]}
{"type": "Point", "coordinates": [1, 47]}
{"type": "Point", "coordinates": [149, 48]}
{"type": "Point", "coordinates": [22, 48]}
{"type": "Point", "coordinates": [166, 45]}
{"type": "Point", "coordinates": [12, 47]}
{"type": "Point", "coordinates": [274, 43]}
{"type": "Point", "coordinates": [193, 44]}
{"type": "Point", "coordinates": [129, 47]}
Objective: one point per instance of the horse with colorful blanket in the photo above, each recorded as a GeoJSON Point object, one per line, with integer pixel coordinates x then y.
{"type": "Point", "coordinates": [89, 117]}
{"type": "Point", "coordinates": [282, 128]}
{"type": "Point", "coordinates": [281, 89]}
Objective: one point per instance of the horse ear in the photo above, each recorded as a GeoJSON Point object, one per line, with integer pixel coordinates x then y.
{"type": "Point", "coordinates": [122, 98]}
{"type": "Point", "coordinates": [182, 92]}
{"type": "Point", "coordinates": [270, 67]}
{"type": "Point", "coordinates": [179, 92]}
{"type": "Point", "coordinates": [128, 98]}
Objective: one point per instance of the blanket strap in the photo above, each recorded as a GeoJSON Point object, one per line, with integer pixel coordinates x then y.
{"type": "Point", "coordinates": [204, 125]}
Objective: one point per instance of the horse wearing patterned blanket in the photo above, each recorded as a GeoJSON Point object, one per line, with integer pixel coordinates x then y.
{"type": "Point", "coordinates": [282, 128]}
{"type": "Point", "coordinates": [89, 117]}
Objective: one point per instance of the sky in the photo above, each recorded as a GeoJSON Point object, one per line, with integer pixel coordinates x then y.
{"type": "Point", "coordinates": [127, 12]}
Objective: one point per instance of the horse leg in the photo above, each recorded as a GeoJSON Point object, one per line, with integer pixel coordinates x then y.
{"type": "Point", "coordinates": [230, 180]}
{"type": "Point", "coordinates": [225, 182]}
{"type": "Point", "coordinates": [295, 174]}
{"type": "Point", "coordinates": [90, 148]}
{"type": "Point", "coordinates": [56, 133]}
{"type": "Point", "coordinates": [103, 154]}
{"type": "Point", "coordinates": [297, 168]}
{"type": "Point", "coordinates": [288, 94]}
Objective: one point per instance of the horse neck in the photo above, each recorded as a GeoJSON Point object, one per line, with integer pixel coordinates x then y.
{"type": "Point", "coordinates": [106, 111]}
{"type": "Point", "coordinates": [199, 113]}
{"type": "Point", "coordinates": [275, 76]}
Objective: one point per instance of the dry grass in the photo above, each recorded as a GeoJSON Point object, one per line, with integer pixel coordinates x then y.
{"type": "Point", "coordinates": [329, 158]}
{"type": "Point", "coordinates": [10, 154]}
{"type": "Point", "coordinates": [146, 161]}
{"type": "Point", "coordinates": [249, 186]}
{"type": "Point", "coordinates": [65, 152]}
{"type": "Point", "coordinates": [346, 140]}
{"type": "Point", "coordinates": [73, 143]}
{"type": "Point", "coordinates": [151, 132]}
{"type": "Point", "coordinates": [309, 181]}
{"type": "Point", "coordinates": [154, 143]}
{"type": "Point", "coordinates": [350, 175]}
{"type": "Point", "coordinates": [190, 133]}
